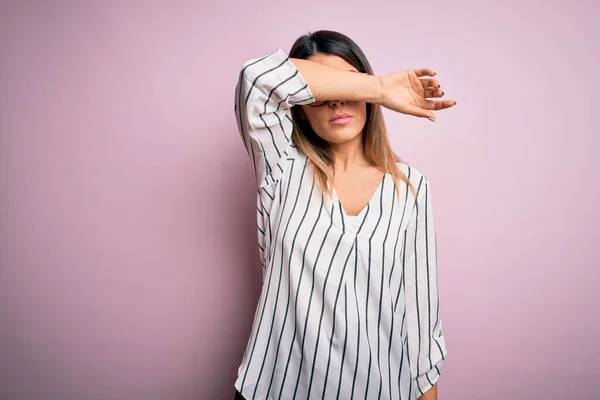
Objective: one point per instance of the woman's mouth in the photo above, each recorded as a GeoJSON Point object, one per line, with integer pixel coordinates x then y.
{"type": "Point", "coordinates": [341, 119]}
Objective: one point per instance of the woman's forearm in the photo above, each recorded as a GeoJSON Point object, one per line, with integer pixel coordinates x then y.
{"type": "Point", "coordinates": [329, 83]}
{"type": "Point", "coordinates": [431, 394]}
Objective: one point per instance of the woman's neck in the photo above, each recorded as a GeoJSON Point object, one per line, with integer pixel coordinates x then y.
{"type": "Point", "coordinates": [348, 155]}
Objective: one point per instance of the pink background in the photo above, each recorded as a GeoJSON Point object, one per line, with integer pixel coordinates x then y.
{"type": "Point", "coordinates": [128, 262]}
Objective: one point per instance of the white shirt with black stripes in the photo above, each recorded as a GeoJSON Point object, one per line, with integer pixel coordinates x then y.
{"type": "Point", "coordinates": [349, 306]}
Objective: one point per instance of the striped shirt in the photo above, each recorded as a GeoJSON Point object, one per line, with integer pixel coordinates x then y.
{"type": "Point", "coordinates": [349, 306]}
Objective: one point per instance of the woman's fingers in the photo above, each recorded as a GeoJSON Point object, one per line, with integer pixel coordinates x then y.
{"type": "Point", "coordinates": [418, 112]}
{"type": "Point", "coordinates": [433, 93]}
{"type": "Point", "coordinates": [430, 88]}
{"type": "Point", "coordinates": [443, 104]}
{"type": "Point", "coordinates": [430, 83]}
{"type": "Point", "coordinates": [424, 72]}
{"type": "Point", "coordinates": [424, 112]}
{"type": "Point", "coordinates": [437, 104]}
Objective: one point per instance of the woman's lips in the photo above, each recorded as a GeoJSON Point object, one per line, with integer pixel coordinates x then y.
{"type": "Point", "coordinates": [340, 121]}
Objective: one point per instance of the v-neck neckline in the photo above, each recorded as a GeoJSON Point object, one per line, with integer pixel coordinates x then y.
{"type": "Point", "coordinates": [350, 221]}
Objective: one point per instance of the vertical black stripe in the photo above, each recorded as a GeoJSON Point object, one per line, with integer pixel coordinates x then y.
{"type": "Point", "coordinates": [238, 108]}
{"type": "Point", "coordinates": [337, 396]}
{"type": "Point", "coordinates": [364, 219]}
{"type": "Point", "coordinates": [402, 283]}
{"type": "Point", "coordinates": [428, 278]}
{"type": "Point", "coordinates": [437, 311]}
{"type": "Point", "coordinates": [358, 323]}
{"type": "Point", "coordinates": [342, 217]}
{"type": "Point", "coordinates": [416, 257]}
{"type": "Point", "coordinates": [399, 231]}
{"type": "Point", "coordinates": [410, 381]}
{"type": "Point", "coordinates": [281, 190]}
{"type": "Point", "coordinates": [280, 122]}
{"type": "Point", "coordinates": [264, 212]}
{"type": "Point", "coordinates": [391, 212]}
{"type": "Point", "coordinates": [402, 345]}
{"type": "Point", "coordinates": [367, 300]}
{"type": "Point", "coordinates": [389, 355]}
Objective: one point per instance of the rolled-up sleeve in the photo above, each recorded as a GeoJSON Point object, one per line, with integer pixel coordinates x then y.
{"type": "Point", "coordinates": [266, 90]}
{"type": "Point", "coordinates": [426, 342]}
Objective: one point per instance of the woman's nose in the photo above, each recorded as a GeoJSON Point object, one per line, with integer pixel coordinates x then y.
{"type": "Point", "coordinates": [337, 103]}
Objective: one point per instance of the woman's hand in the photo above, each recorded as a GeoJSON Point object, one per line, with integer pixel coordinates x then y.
{"type": "Point", "coordinates": [407, 92]}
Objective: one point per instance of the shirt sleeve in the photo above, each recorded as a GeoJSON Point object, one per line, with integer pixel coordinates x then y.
{"type": "Point", "coordinates": [426, 343]}
{"type": "Point", "coordinates": [266, 90]}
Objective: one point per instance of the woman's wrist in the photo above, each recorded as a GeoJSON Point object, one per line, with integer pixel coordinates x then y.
{"type": "Point", "coordinates": [379, 91]}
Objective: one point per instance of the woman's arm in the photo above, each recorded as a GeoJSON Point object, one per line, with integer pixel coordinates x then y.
{"type": "Point", "coordinates": [431, 394]}
{"type": "Point", "coordinates": [329, 83]}
{"type": "Point", "coordinates": [267, 88]}
{"type": "Point", "coordinates": [407, 92]}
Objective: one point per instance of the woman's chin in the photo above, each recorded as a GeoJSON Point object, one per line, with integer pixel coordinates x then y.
{"type": "Point", "coordinates": [341, 137]}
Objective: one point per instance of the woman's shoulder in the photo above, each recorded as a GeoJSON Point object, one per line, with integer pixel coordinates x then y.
{"type": "Point", "coordinates": [414, 174]}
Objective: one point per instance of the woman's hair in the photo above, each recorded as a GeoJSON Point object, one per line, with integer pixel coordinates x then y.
{"type": "Point", "coordinates": [377, 148]}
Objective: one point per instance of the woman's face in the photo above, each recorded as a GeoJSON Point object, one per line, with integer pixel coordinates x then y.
{"type": "Point", "coordinates": [324, 118]}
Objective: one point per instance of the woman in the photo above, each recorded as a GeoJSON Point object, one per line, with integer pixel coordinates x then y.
{"type": "Point", "coordinates": [349, 302]}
